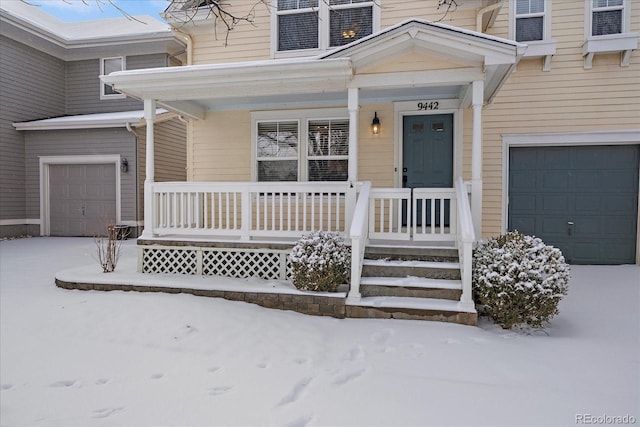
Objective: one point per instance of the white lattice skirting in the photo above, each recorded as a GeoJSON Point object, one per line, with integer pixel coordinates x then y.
{"type": "Point", "coordinates": [239, 263]}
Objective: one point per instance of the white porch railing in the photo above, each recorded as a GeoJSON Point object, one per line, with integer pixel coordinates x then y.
{"type": "Point", "coordinates": [247, 210]}
{"type": "Point", "coordinates": [421, 214]}
{"type": "Point", "coordinates": [359, 236]}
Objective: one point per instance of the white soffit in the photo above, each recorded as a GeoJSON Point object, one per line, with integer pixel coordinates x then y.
{"type": "Point", "coordinates": [93, 121]}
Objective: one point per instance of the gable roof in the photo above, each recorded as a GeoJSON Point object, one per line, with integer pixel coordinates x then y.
{"type": "Point", "coordinates": [27, 23]}
{"type": "Point", "coordinates": [191, 90]}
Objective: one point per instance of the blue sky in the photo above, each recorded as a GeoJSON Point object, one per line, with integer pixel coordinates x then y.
{"type": "Point", "coordinates": [79, 10]}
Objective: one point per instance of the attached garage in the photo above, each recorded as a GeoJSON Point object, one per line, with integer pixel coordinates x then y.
{"type": "Point", "coordinates": [82, 198]}
{"type": "Point", "coordinates": [581, 199]}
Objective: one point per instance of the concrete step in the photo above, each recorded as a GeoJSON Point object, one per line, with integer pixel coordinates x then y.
{"type": "Point", "coordinates": [412, 309]}
{"type": "Point", "coordinates": [416, 287]}
{"type": "Point", "coordinates": [394, 268]}
{"type": "Point", "coordinates": [416, 253]}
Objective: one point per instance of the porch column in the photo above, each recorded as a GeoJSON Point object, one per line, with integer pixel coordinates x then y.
{"type": "Point", "coordinates": [149, 117]}
{"type": "Point", "coordinates": [354, 117]}
{"type": "Point", "coordinates": [477, 102]}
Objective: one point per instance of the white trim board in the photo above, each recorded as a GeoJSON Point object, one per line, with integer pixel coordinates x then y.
{"type": "Point", "coordinates": [20, 221]}
{"type": "Point", "coordinates": [46, 161]}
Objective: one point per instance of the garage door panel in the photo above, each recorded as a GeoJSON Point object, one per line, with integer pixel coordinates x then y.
{"type": "Point", "coordinates": [553, 181]}
{"type": "Point", "coordinates": [554, 203]}
{"type": "Point", "coordinates": [554, 159]}
{"type": "Point", "coordinates": [82, 199]}
{"type": "Point", "coordinates": [594, 187]}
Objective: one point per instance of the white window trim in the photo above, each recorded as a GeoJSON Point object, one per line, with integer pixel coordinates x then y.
{"type": "Point", "coordinates": [323, 27]}
{"type": "Point", "coordinates": [544, 48]}
{"type": "Point", "coordinates": [622, 137]}
{"type": "Point", "coordinates": [302, 117]}
{"type": "Point", "coordinates": [45, 201]}
{"type": "Point", "coordinates": [102, 73]}
{"type": "Point", "coordinates": [624, 42]}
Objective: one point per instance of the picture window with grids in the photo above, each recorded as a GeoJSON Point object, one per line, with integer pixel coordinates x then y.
{"type": "Point", "coordinates": [305, 149]}
{"type": "Point", "coordinates": [322, 24]}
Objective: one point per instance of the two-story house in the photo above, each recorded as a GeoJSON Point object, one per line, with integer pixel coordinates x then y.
{"type": "Point", "coordinates": [419, 123]}
{"type": "Point", "coordinates": [71, 145]}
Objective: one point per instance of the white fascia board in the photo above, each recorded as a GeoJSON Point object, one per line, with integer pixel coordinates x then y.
{"type": "Point", "coordinates": [92, 121]}
{"type": "Point", "coordinates": [220, 80]}
{"type": "Point", "coordinates": [630, 136]}
{"type": "Point", "coordinates": [418, 78]}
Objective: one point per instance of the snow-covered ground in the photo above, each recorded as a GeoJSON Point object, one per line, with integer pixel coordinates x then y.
{"type": "Point", "coordinates": [87, 358]}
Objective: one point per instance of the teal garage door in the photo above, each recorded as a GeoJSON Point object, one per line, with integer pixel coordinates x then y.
{"type": "Point", "coordinates": [583, 200]}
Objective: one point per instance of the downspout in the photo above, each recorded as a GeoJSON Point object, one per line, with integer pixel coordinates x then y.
{"type": "Point", "coordinates": [483, 12]}
{"type": "Point", "coordinates": [187, 38]}
{"type": "Point", "coordinates": [136, 177]}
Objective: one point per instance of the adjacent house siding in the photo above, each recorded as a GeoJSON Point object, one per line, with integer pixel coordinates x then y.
{"type": "Point", "coordinates": [80, 142]}
{"type": "Point", "coordinates": [26, 93]}
{"type": "Point", "coordinates": [83, 85]}
{"type": "Point", "coordinates": [566, 99]}
{"type": "Point", "coordinates": [170, 155]}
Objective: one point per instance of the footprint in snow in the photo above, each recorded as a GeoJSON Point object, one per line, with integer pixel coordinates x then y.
{"type": "Point", "coordinates": [300, 422]}
{"type": "Point", "coordinates": [106, 412]}
{"type": "Point", "coordinates": [262, 365]}
{"type": "Point", "coordinates": [62, 384]}
{"type": "Point", "coordinates": [349, 376]}
{"type": "Point", "coordinates": [6, 386]}
{"type": "Point", "coordinates": [301, 360]}
{"type": "Point", "coordinates": [296, 392]}
{"type": "Point", "coordinates": [215, 391]}
{"type": "Point", "coordinates": [355, 353]}
{"type": "Point", "coordinates": [157, 376]}
{"type": "Point", "coordinates": [382, 336]}
{"type": "Point", "coordinates": [101, 381]}
{"type": "Point", "coordinates": [213, 369]}
{"type": "Point", "coordinates": [451, 341]}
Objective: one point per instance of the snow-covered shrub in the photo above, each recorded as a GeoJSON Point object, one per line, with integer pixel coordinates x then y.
{"type": "Point", "coordinates": [321, 261]}
{"type": "Point", "coordinates": [518, 280]}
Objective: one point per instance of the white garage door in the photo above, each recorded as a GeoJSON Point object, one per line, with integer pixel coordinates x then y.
{"type": "Point", "coordinates": [82, 199]}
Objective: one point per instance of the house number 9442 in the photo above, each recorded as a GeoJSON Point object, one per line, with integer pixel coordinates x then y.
{"type": "Point", "coordinates": [430, 105]}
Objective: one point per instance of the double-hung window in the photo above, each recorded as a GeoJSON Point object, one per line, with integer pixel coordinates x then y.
{"type": "Point", "coordinates": [530, 20]}
{"type": "Point", "coordinates": [107, 66]}
{"type": "Point", "coordinates": [607, 17]}
{"type": "Point", "coordinates": [530, 23]}
{"type": "Point", "coordinates": [303, 26]}
{"type": "Point", "coordinates": [607, 30]}
{"type": "Point", "coordinates": [301, 147]}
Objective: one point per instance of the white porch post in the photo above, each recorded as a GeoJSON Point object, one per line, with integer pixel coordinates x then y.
{"type": "Point", "coordinates": [149, 116]}
{"type": "Point", "coordinates": [354, 116]}
{"type": "Point", "coordinates": [476, 157]}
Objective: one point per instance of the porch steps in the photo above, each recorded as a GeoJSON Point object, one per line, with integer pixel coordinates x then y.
{"type": "Point", "coordinates": [419, 283]}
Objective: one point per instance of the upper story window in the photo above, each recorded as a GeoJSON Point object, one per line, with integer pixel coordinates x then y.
{"type": "Point", "coordinates": [530, 20]}
{"type": "Point", "coordinates": [107, 66]}
{"type": "Point", "coordinates": [301, 148]}
{"type": "Point", "coordinates": [607, 30]}
{"type": "Point", "coordinates": [308, 25]}
{"type": "Point", "coordinates": [607, 17]}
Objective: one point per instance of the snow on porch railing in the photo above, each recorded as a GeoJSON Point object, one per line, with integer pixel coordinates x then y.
{"type": "Point", "coordinates": [248, 209]}
{"type": "Point", "coordinates": [426, 214]}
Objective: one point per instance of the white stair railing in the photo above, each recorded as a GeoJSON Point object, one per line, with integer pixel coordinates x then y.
{"type": "Point", "coordinates": [465, 239]}
{"type": "Point", "coordinates": [359, 235]}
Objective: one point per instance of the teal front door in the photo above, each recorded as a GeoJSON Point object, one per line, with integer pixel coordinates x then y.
{"type": "Point", "coordinates": [427, 155]}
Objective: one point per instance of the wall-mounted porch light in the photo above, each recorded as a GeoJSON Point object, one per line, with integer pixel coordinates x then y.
{"type": "Point", "coordinates": [124, 165]}
{"type": "Point", "coordinates": [375, 124]}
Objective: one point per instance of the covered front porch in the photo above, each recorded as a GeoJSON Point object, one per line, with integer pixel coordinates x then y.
{"type": "Point", "coordinates": [246, 228]}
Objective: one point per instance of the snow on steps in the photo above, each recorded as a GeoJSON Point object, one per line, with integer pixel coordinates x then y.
{"type": "Point", "coordinates": [402, 268]}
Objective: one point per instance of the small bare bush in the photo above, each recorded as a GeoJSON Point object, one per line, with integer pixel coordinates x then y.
{"type": "Point", "coordinates": [108, 248]}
